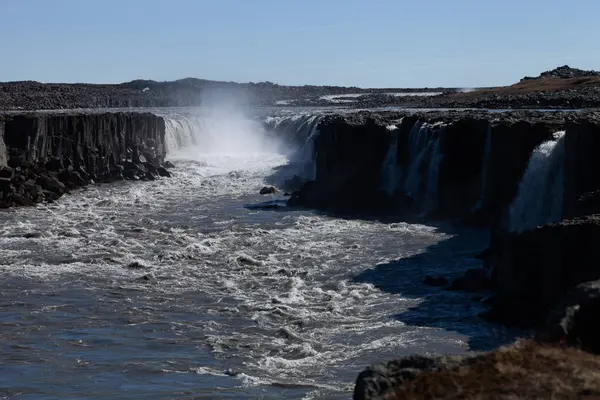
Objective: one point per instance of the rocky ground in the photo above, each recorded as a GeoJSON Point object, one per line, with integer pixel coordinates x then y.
{"type": "Point", "coordinates": [31, 95]}
{"type": "Point", "coordinates": [563, 87]}
{"type": "Point", "coordinates": [525, 370]}
{"type": "Point", "coordinates": [46, 181]}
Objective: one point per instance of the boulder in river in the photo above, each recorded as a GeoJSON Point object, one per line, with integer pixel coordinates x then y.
{"type": "Point", "coordinates": [268, 190]}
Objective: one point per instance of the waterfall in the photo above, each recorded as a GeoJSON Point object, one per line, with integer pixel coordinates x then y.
{"type": "Point", "coordinates": [179, 133]}
{"type": "Point", "coordinates": [419, 143]}
{"type": "Point", "coordinates": [485, 164]}
{"type": "Point", "coordinates": [540, 195]}
{"type": "Point", "coordinates": [391, 173]}
{"type": "Point", "coordinates": [300, 132]}
{"type": "Point", "coordinates": [422, 179]}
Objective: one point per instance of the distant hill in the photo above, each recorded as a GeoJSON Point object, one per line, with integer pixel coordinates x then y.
{"type": "Point", "coordinates": [186, 92]}
{"type": "Point", "coordinates": [564, 72]}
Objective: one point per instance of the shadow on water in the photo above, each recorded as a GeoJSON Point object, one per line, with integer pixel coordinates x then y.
{"type": "Point", "coordinates": [455, 311]}
{"type": "Point", "coordinates": [449, 310]}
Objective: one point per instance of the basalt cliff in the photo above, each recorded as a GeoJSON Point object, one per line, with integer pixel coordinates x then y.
{"type": "Point", "coordinates": [45, 155]}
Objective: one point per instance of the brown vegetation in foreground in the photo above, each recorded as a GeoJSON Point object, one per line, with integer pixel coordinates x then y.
{"type": "Point", "coordinates": [537, 85]}
{"type": "Point", "coordinates": [524, 370]}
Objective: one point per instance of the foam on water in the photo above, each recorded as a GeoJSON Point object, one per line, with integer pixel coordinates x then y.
{"type": "Point", "coordinates": [259, 303]}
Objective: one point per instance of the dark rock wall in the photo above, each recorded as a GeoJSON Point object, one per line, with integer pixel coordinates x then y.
{"type": "Point", "coordinates": [512, 145]}
{"type": "Point", "coordinates": [348, 157]}
{"type": "Point", "coordinates": [96, 142]}
{"type": "Point", "coordinates": [535, 269]}
{"type": "Point", "coordinates": [582, 163]}
{"type": "Point", "coordinates": [350, 152]}
{"type": "Point", "coordinates": [462, 146]}
{"type": "Point", "coordinates": [43, 156]}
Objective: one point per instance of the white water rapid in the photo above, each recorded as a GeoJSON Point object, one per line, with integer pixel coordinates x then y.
{"type": "Point", "coordinates": [180, 288]}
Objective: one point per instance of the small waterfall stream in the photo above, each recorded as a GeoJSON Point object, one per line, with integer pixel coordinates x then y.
{"type": "Point", "coordinates": [420, 181]}
{"type": "Point", "coordinates": [539, 199]}
{"type": "Point", "coordinates": [391, 172]}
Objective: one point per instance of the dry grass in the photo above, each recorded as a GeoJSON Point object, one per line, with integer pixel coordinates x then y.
{"type": "Point", "coordinates": [536, 86]}
{"type": "Point", "coordinates": [524, 370]}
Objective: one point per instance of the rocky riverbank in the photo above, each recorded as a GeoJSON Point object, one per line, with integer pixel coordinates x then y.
{"type": "Point", "coordinates": [525, 370]}
{"type": "Point", "coordinates": [530, 177]}
{"type": "Point", "coordinates": [45, 155]}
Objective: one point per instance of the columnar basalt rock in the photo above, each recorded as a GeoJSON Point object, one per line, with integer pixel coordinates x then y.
{"type": "Point", "coordinates": [445, 166]}
{"type": "Point", "coordinates": [48, 154]}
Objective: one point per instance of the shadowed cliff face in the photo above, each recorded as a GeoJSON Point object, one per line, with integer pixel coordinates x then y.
{"type": "Point", "coordinates": [97, 142]}
{"type": "Point", "coordinates": [582, 164]}
{"type": "Point", "coordinates": [3, 154]}
{"type": "Point", "coordinates": [536, 268]}
{"type": "Point", "coordinates": [455, 165]}
{"type": "Point", "coordinates": [42, 156]}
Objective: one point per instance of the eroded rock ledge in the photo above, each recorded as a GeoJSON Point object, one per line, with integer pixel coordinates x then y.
{"type": "Point", "coordinates": [44, 155]}
{"type": "Point", "coordinates": [481, 159]}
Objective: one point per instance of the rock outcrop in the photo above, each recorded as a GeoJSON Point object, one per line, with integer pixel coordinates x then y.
{"type": "Point", "coordinates": [533, 270]}
{"type": "Point", "coordinates": [44, 155]}
{"type": "Point", "coordinates": [574, 321]}
{"type": "Point", "coordinates": [582, 164]}
{"type": "Point", "coordinates": [379, 379]}
{"type": "Point", "coordinates": [349, 151]}
{"type": "Point", "coordinates": [459, 165]}
{"type": "Point", "coordinates": [525, 370]}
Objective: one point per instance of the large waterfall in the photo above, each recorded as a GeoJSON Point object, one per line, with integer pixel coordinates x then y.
{"type": "Point", "coordinates": [215, 131]}
{"type": "Point", "coordinates": [540, 196]}
{"type": "Point", "coordinates": [234, 137]}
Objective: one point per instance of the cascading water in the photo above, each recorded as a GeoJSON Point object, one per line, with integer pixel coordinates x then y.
{"type": "Point", "coordinates": [391, 172]}
{"type": "Point", "coordinates": [540, 196]}
{"type": "Point", "coordinates": [419, 143]}
{"type": "Point", "coordinates": [300, 132]}
{"type": "Point", "coordinates": [433, 175]}
{"type": "Point", "coordinates": [179, 132]}
{"type": "Point", "coordinates": [422, 179]}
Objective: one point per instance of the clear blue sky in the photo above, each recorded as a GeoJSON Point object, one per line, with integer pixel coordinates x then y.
{"type": "Point", "coordinates": [368, 43]}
